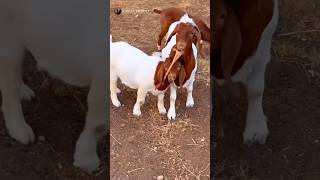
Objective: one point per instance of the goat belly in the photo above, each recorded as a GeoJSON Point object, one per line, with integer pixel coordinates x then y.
{"type": "Point", "coordinates": [64, 43]}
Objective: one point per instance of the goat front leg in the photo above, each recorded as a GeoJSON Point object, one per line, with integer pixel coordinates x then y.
{"type": "Point", "coordinates": [26, 93]}
{"type": "Point", "coordinates": [173, 96]}
{"type": "Point", "coordinates": [256, 129]}
{"type": "Point", "coordinates": [161, 108]}
{"type": "Point", "coordinates": [219, 101]}
{"type": "Point", "coordinates": [85, 155]}
{"type": "Point", "coordinates": [190, 101]}
{"type": "Point", "coordinates": [141, 96]}
{"type": "Point", "coordinates": [114, 90]}
{"type": "Point", "coordinates": [11, 57]}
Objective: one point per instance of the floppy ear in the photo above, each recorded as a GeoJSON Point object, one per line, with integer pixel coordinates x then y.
{"type": "Point", "coordinates": [197, 34]}
{"type": "Point", "coordinates": [231, 42]}
{"type": "Point", "coordinates": [159, 74]}
{"type": "Point", "coordinates": [174, 32]}
{"type": "Point", "coordinates": [182, 76]}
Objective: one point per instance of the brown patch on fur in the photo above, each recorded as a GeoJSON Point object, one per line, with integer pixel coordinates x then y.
{"type": "Point", "coordinates": [238, 28]}
{"type": "Point", "coordinates": [172, 14]}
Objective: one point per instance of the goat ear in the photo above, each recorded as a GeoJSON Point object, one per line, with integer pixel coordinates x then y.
{"type": "Point", "coordinates": [231, 42]}
{"type": "Point", "coordinates": [159, 74]}
{"type": "Point", "coordinates": [197, 34]}
{"type": "Point", "coordinates": [182, 76]}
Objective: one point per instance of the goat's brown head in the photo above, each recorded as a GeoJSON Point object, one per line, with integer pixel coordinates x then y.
{"type": "Point", "coordinates": [170, 71]}
{"type": "Point", "coordinates": [227, 39]}
{"type": "Point", "coordinates": [186, 34]}
{"type": "Point", "coordinates": [238, 27]}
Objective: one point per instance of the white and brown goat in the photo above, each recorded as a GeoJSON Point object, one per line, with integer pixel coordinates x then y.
{"type": "Point", "coordinates": [182, 38]}
{"type": "Point", "coordinates": [241, 51]}
{"type": "Point", "coordinates": [140, 71]}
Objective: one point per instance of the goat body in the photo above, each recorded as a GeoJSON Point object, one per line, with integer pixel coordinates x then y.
{"type": "Point", "coordinates": [241, 51]}
{"type": "Point", "coordinates": [171, 15]}
{"type": "Point", "coordinates": [187, 57]}
{"type": "Point", "coordinates": [136, 70]}
{"type": "Point", "coordinates": [70, 46]}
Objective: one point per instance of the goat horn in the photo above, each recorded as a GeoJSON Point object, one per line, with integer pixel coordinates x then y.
{"type": "Point", "coordinates": [176, 57]}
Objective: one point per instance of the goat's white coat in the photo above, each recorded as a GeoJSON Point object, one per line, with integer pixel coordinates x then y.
{"type": "Point", "coordinates": [189, 83]}
{"type": "Point", "coordinates": [67, 39]}
{"type": "Point", "coordinates": [252, 74]}
{"type": "Point", "coordinates": [136, 70]}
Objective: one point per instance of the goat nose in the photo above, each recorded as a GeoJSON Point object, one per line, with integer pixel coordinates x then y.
{"type": "Point", "coordinates": [180, 47]}
{"type": "Point", "coordinates": [171, 78]}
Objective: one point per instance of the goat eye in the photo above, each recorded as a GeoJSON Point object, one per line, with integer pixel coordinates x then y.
{"type": "Point", "coordinates": [222, 16]}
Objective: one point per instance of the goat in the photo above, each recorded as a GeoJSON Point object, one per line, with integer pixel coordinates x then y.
{"type": "Point", "coordinates": [140, 71]}
{"type": "Point", "coordinates": [241, 51]}
{"type": "Point", "coordinates": [70, 46]}
{"type": "Point", "coordinates": [183, 35]}
{"type": "Point", "coordinates": [171, 15]}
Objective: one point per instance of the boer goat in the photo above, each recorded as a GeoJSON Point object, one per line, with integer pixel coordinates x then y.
{"type": "Point", "coordinates": [171, 15]}
{"type": "Point", "coordinates": [183, 36]}
{"type": "Point", "coordinates": [70, 46]}
{"type": "Point", "coordinates": [138, 70]}
{"type": "Point", "coordinates": [241, 51]}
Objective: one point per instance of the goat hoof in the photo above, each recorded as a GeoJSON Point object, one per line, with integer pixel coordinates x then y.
{"type": "Point", "coordinates": [26, 93]}
{"type": "Point", "coordinates": [255, 132]}
{"type": "Point", "coordinates": [136, 112]}
{"type": "Point", "coordinates": [88, 163]}
{"type": "Point", "coordinates": [117, 104]}
{"type": "Point", "coordinates": [162, 110]}
{"type": "Point", "coordinates": [190, 103]}
{"type": "Point", "coordinates": [118, 91]}
{"type": "Point", "coordinates": [22, 132]}
{"type": "Point", "coordinates": [171, 114]}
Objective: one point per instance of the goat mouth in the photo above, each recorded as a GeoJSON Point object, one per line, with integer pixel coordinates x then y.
{"type": "Point", "coordinates": [171, 78]}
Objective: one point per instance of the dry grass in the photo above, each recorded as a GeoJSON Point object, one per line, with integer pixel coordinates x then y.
{"type": "Point", "coordinates": [298, 37]}
{"type": "Point", "coordinates": [166, 143]}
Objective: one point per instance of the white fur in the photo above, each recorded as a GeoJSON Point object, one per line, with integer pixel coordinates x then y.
{"type": "Point", "coordinates": [136, 70]}
{"type": "Point", "coordinates": [252, 74]}
{"type": "Point", "coordinates": [189, 83]}
{"type": "Point", "coordinates": [70, 46]}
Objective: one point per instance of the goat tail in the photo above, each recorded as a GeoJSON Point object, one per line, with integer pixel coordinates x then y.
{"type": "Point", "coordinates": [110, 38]}
{"type": "Point", "coordinates": [157, 11]}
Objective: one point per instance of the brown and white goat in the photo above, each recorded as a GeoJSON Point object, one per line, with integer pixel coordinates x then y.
{"type": "Point", "coordinates": [172, 14]}
{"type": "Point", "coordinates": [241, 51]}
{"type": "Point", "coordinates": [140, 71]}
{"type": "Point", "coordinates": [181, 47]}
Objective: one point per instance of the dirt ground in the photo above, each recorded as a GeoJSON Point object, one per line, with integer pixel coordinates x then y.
{"type": "Point", "coordinates": [291, 103]}
{"type": "Point", "coordinates": [150, 146]}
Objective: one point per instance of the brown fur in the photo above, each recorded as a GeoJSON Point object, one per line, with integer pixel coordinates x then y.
{"type": "Point", "coordinates": [182, 69]}
{"type": "Point", "coordinates": [177, 72]}
{"type": "Point", "coordinates": [160, 83]}
{"type": "Point", "coordinates": [186, 34]}
{"type": "Point", "coordinates": [172, 14]}
{"type": "Point", "coordinates": [238, 28]}
{"type": "Point", "coordinates": [237, 32]}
